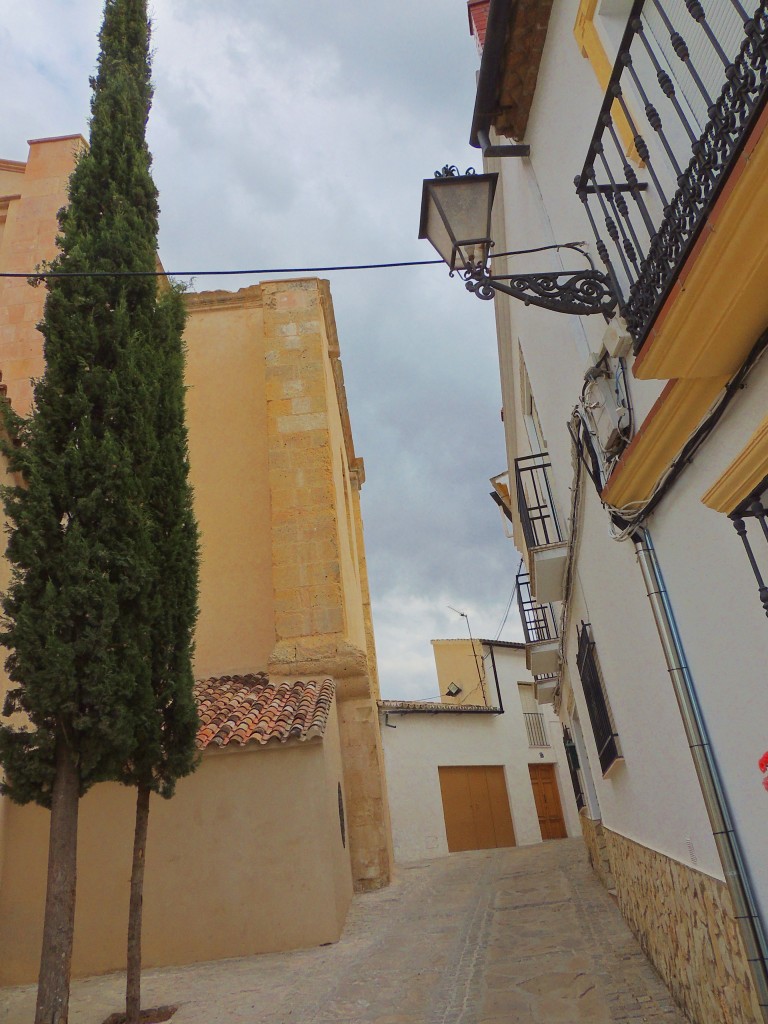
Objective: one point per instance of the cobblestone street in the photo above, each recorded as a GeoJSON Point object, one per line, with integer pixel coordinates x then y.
{"type": "Point", "coordinates": [518, 936]}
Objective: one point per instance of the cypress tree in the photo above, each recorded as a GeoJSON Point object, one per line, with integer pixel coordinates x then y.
{"type": "Point", "coordinates": [100, 610]}
{"type": "Point", "coordinates": [166, 748]}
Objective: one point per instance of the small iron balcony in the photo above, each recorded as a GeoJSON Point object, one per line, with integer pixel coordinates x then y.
{"type": "Point", "coordinates": [536, 729]}
{"type": "Point", "coordinates": [688, 86]}
{"type": "Point", "coordinates": [547, 548]}
{"type": "Point", "coordinates": [542, 642]}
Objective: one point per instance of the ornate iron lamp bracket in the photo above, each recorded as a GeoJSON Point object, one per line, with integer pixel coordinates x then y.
{"type": "Point", "coordinates": [753, 508]}
{"type": "Point", "coordinates": [580, 292]}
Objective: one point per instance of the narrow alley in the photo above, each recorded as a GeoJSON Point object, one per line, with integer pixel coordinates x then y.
{"type": "Point", "coordinates": [525, 935]}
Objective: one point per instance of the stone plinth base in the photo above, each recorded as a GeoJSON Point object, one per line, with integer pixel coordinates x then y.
{"type": "Point", "coordinates": [684, 921]}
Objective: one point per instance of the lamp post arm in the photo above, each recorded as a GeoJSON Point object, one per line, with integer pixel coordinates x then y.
{"type": "Point", "coordinates": [580, 292]}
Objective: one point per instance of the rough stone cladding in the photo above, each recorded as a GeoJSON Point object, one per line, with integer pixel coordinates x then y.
{"type": "Point", "coordinates": [597, 849]}
{"type": "Point", "coordinates": [684, 921]}
{"type": "Point", "coordinates": [250, 708]}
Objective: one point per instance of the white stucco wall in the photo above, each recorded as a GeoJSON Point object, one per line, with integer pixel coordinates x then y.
{"type": "Point", "coordinates": [654, 796]}
{"type": "Point", "coordinates": [419, 743]}
{"type": "Point", "coordinates": [721, 621]}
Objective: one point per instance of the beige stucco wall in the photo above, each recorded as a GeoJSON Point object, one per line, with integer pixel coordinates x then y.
{"type": "Point", "coordinates": [9, 176]}
{"type": "Point", "coordinates": [227, 421]}
{"type": "Point", "coordinates": [283, 583]}
{"type": "Point", "coordinates": [458, 661]}
{"type": "Point", "coordinates": [247, 858]}
{"type": "Point", "coordinates": [28, 238]}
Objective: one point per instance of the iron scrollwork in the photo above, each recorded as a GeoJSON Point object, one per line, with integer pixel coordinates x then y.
{"type": "Point", "coordinates": [580, 292]}
{"type": "Point", "coordinates": [731, 118]}
{"type": "Point", "coordinates": [452, 171]}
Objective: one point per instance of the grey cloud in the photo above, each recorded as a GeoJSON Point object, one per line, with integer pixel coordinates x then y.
{"type": "Point", "coordinates": [297, 134]}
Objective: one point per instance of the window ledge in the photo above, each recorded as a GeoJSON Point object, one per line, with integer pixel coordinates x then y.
{"type": "Point", "coordinates": [613, 766]}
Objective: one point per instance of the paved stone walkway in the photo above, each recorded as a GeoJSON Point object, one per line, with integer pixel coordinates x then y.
{"type": "Point", "coordinates": [520, 936]}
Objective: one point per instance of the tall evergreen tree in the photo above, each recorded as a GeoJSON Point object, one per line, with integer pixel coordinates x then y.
{"type": "Point", "coordinates": [100, 611]}
{"type": "Point", "coordinates": [166, 748]}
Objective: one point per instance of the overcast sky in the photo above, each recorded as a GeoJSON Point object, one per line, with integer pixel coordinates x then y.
{"type": "Point", "coordinates": [296, 133]}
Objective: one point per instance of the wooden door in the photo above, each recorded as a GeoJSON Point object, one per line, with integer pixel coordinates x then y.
{"type": "Point", "coordinates": [547, 797]}
{"type": "Point", "coordinates": [475, 807]}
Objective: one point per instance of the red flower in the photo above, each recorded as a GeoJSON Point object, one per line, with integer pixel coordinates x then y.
{"type": "Point", "coordinates": [762, 764]}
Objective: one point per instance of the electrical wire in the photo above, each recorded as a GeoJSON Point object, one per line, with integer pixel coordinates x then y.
{"type": "Point", "coordinates": [574, 536]}
{"type": "Point", "coordinates": [36, 275]}
{"type": "Point", "coordinates": [626, 519]}
{"type": "Point", "coordinates": [509, 603]}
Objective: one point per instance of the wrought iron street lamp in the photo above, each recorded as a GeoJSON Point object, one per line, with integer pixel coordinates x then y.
{"type": "Point", "coordinates": [754, 509]}
{"type": "Point", "coordinates": [456, 219]}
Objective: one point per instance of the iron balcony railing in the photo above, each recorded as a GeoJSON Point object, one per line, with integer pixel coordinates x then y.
{"type": "Point", "coordinates": [534, 501]}
{"type": "Point", "coordinates": [536, 729]}
{"type": "Point", "coordinates": [538, 620]}
{"type": "Point", "coordinates": [688, 85]}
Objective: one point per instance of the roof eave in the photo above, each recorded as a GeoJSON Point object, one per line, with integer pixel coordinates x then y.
{"type": "Point", "coordinates": [500, 15]}
{"type": "Point", "coordinates": [514, 43]}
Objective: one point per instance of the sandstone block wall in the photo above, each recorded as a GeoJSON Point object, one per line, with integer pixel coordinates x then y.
{"type": "Point", "coordinates": [321, 601]}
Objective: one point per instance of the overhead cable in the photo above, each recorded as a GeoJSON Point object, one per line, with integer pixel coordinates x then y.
{"type": "Point", "coordinates": [35, 275]}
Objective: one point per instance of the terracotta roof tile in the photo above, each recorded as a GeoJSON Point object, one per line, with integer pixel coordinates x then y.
{"type": "Point", "coordinates": [435, 708]}
{"type": "Point", "coordinates": [250, 708]}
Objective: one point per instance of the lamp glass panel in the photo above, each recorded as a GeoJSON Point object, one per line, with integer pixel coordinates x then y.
{"type": "Point", "coordinates": [436, 230]}
{"type": "Point", "coordinates": [466, 205]}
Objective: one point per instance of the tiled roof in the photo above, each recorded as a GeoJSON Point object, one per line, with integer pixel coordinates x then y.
{"type": "Point", "coordinates": [245, 709]}
{"type": "Point", "coordinates": [479, 640]}
{"type": "Point", "coordinates": [430, 708]}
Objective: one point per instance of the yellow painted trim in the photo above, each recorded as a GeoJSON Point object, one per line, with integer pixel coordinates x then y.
{"type": "Point", "coordinates": [745, 473]}
{"type": "Point", "coordinates": [720, 306]}
{"type": "Point", "coordinates": [666, 429]}
{"type": "Point", "coordinates": [591, 47]}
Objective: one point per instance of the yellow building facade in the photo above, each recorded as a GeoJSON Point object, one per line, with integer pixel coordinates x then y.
{"type": "Point", "coordinates": [275, 834]}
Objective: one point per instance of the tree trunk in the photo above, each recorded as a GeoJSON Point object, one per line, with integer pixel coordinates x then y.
{"type": "Point", "coordinates": [133, 972]}
{"type": "Point", "coordinates": [59, 924]}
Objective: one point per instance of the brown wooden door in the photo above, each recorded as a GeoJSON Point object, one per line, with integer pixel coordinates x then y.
{"type": "Point", "coordinates": [547, 797]}
{"type": "Point", "coordinates": [475, 807]}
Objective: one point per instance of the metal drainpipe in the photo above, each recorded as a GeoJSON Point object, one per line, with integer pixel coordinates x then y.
{"type": "Point", "coordinates": [496, 677]}
{"type": "Point", "coordinates": [734, 868]}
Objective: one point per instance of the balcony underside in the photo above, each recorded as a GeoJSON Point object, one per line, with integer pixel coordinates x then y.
{"type": "Point", "coordinates": [717, 311]}
{"type": "Point", "coordinates": [675, 415]}
{"type": "Point", "coordinates": [548, 571]}
{"type": "Point", "coordinates": [543, 658]}
{"type": "Point", "coordinates": [719, 304]}
{"type": "Point", "coordinates": [545, 689]}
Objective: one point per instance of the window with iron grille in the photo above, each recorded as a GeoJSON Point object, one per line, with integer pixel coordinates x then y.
{"type": "Point", "coordinates": [603, 728]}
{"type": "Point", "coordinates": [573, 767]}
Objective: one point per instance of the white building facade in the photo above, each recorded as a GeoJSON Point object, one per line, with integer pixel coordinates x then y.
{"type": "Point", "coordinates": [635, 448]}
{"type": "Point", "coordinates": [442, 758]}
